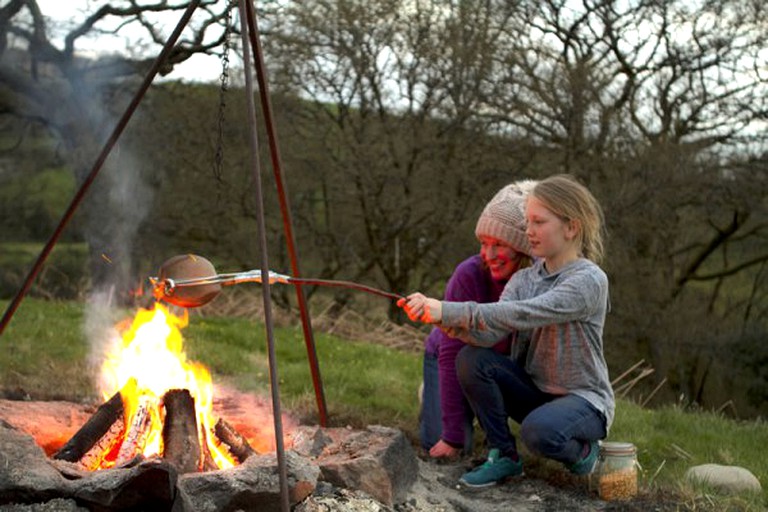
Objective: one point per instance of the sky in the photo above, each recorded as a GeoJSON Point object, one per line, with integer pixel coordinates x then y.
{"type": "Point", "coordinates": [197, 68]}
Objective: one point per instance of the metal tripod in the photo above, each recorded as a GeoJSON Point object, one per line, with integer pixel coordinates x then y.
{"type": "Point", "coordinates": [251, 49]}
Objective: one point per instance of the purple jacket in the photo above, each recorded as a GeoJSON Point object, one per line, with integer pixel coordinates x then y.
{"type": "Point", "coordinates": [471, 281]}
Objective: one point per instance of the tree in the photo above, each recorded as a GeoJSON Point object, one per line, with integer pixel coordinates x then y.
{"type": "Point", "coordinates": [397, 88]}
{"type": "Point", "coordinates": [46, 83]}
{"type": "Point", "coordinates": [659, 107]}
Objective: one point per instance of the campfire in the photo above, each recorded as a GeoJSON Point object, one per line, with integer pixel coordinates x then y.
{"type": "Point", "coordinates": [155, 443]}
{"type": "Point", "coordinates": [157, 404]}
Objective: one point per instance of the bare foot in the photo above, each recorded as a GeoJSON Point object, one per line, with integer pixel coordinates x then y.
{"type": "Point", "coordinates": [443, 450]}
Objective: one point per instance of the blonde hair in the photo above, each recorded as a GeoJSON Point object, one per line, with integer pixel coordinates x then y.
{"type": "Point", "coordinates": [572, 201]}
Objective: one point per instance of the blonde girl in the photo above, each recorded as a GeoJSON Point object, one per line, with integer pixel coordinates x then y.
{"type": "Point", "coordinates": [555, 383]}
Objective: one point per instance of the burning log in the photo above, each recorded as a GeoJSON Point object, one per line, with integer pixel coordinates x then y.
{"type": "Point", "coordinates": [180, 438]}
{"type": "Point", "coordinates": [97, 437]}
{"type": "Point", "coordinates": [237, 444]}
{"type": "Point", "coordinates": [105, 448]}
{"type": "Point", "coordinates": [209, 463]}
{"type": "Point", "coordinates": [136, 435]}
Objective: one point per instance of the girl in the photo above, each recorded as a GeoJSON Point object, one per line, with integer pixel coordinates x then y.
{"type": "Point", "coordinates": [560, 391]}
{"type": "Point", "coordinates": [445, 422]}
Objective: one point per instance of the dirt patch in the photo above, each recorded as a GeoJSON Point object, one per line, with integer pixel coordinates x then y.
{"type": "Point", "coordinates": [438, 490]}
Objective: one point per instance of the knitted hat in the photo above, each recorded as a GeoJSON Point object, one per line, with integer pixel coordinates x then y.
{"type": "Point", "coordinates": [504, 216]}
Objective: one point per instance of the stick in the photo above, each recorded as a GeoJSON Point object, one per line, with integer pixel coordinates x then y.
{"type": "Point", "coordinates": [136, 437]}
{"type": "Point", "coordinates": [237, 444]}
{"type": "Point", "coordinates": [180, 439]}
{"type": "Point", "coordinates": [94, 431]}
{"type": "Point", "coordinates": [658, 387]}
{"type": "Point", "coordinates": [618, 379]}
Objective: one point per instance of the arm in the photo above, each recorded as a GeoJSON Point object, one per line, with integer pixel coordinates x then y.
{"type": "Point", "coordinates": [575, 297]}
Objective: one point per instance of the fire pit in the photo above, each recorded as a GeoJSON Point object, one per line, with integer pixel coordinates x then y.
{"type": "Point", "coordinates": [163, 406]}
{"type": "Point", "coordinates": [161, 440]}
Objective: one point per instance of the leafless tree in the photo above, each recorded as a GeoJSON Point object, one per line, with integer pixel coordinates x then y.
{"type": "Point", "coordinates": [47, 82]}
{"type": "Point", "coordinates": [398, 85]}
{"type": "Point", "coordinates": [658, 106]}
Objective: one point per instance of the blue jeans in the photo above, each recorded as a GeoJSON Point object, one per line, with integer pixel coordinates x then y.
{"type": "Point", "coordinates": [430, 417]}
{"type": "Point", "coordinates": [553, 426]}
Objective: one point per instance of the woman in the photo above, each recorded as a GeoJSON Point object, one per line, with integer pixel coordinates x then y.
{"type": "Point", "coordinates": [446, 417]}
{"type": "Point", "coordinates": [560, 393]}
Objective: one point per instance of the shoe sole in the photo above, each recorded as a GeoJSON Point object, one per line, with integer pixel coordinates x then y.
{"type": "Point", "coordinates": [479, 486]}
{"type": "Point", "coordinates": [490, 484]}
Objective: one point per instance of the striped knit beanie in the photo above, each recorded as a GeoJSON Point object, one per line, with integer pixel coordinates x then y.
{"type": "Point", "coordinates": [504, 216]}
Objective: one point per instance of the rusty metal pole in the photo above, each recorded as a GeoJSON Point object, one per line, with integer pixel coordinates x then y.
{"type": "Point", "coordinates": [106, 150]}
{"type": "Point", "coordinates": [265, 288]}
{"type": "Point", "coordinates": [266, 106]}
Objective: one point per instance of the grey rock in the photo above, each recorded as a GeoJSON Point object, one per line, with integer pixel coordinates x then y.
{"type": "Point", "coordinates": [310, 441]}
{"type": "Point", "coordinates": [728, 479]}
{"type": "Point", "coordinates": [342, 501]}
{"type": "Point", "coordinates": [29, 477]}
{"type": "Point", "coordinates": [377, 466]}
{"type": "Point", "coordinates": [26, 475]}
{"type": "Point", "coordinates": [57, 505]}
{"type": "Point", "coordinates": [149, 485]}
{"type": "Point", "coordinates": [378, 461]}
{"type": "Point", "coordinates": [256, 481]}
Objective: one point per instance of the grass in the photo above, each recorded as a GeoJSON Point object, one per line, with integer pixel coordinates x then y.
{"type": "Point", "coordinates": [670, 440]}
{"type": "Point", "coordinates": [44, 345]}
{"type": "Point", "coordinates": [363, 383]}
{"type": "Point", "coordinates": [63, 274]}
{"type": "Point", "coordinates": [370, 384]}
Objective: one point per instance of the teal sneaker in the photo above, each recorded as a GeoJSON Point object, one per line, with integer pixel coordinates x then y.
{"type": "Point", "coordinates": [586, 465]}
{"type": "Point", "coordinates": [492, 471]}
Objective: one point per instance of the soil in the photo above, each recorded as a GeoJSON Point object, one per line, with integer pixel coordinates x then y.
{"type": "Point", "coordinates": [438, 490]}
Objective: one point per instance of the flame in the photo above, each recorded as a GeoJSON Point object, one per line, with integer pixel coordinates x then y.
{"type": "Point", "coordinates": [149, 360]}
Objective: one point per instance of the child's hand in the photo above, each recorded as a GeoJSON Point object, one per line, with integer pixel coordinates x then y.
{"type": "Point", "coordinates": [421, 308]}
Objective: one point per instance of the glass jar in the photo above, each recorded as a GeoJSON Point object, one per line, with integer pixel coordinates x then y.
{"type": "Point", "coordinates": [617, 471]}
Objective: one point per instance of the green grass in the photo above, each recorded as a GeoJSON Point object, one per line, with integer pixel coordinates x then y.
{"type": "Point", "coordinates": [670, 440]}
{"type": "Point", "coordinates": [44, 355]}
{"type": "Point", "coordinates": [362, 383]}
{"type": "Point", "coordinates": [64, 273]}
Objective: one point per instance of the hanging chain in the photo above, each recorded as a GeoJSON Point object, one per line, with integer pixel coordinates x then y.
{"type": "Point", "coordinates": [218, 161]}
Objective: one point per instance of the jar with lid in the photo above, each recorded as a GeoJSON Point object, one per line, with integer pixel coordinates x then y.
{"type": "Point", "coordinates": [617, 471]}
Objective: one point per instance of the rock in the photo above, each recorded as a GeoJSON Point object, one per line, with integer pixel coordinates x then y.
{"type": "Point", "coordinates": [57, 505]}
{"type": "Point", "coordinates": [149, 485]}
{"type": "Point", "coordinates": [257, 480]}
{"type": "Point", "coordinates": [377, 464]}
{"type": "Point", "coordinates": [342, 500]}
{"type": "Point", "coordinates": [26, 475]}
{"type": "Point", "coordinates": [729, 479]}
{"type": "Point", "coordinates": [378, 461]}
{"type": "Point", "coordinates": [310, 441]}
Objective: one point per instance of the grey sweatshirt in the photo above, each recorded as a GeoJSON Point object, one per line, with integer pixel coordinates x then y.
{"type": "Point", "coordinates": [559, 318]}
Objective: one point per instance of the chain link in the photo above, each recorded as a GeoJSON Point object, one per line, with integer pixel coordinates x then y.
{"type": "Point", "coordinates": [218, 161]}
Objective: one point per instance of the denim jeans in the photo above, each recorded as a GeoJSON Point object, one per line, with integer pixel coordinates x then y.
{"type": "Point", "coordinates": [557, 427]}
{"type": "Point", "coordinates": [430, 417]}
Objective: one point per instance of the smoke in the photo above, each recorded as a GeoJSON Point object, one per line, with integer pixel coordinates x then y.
{"type": "Point", "coordinates": [118, 203]}
{"type": "Point", "coordinates": [103, 337]}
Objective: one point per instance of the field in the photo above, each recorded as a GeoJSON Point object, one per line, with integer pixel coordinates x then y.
{"type": "Point", "coordinates": [366, 383]}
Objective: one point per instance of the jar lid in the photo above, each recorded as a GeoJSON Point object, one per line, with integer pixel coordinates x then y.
{"type": "Point", "coordinates": [617, 448]}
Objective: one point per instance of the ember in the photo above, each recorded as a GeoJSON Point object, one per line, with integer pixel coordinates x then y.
{"type": "Point", "coordinates": [160, 405]}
